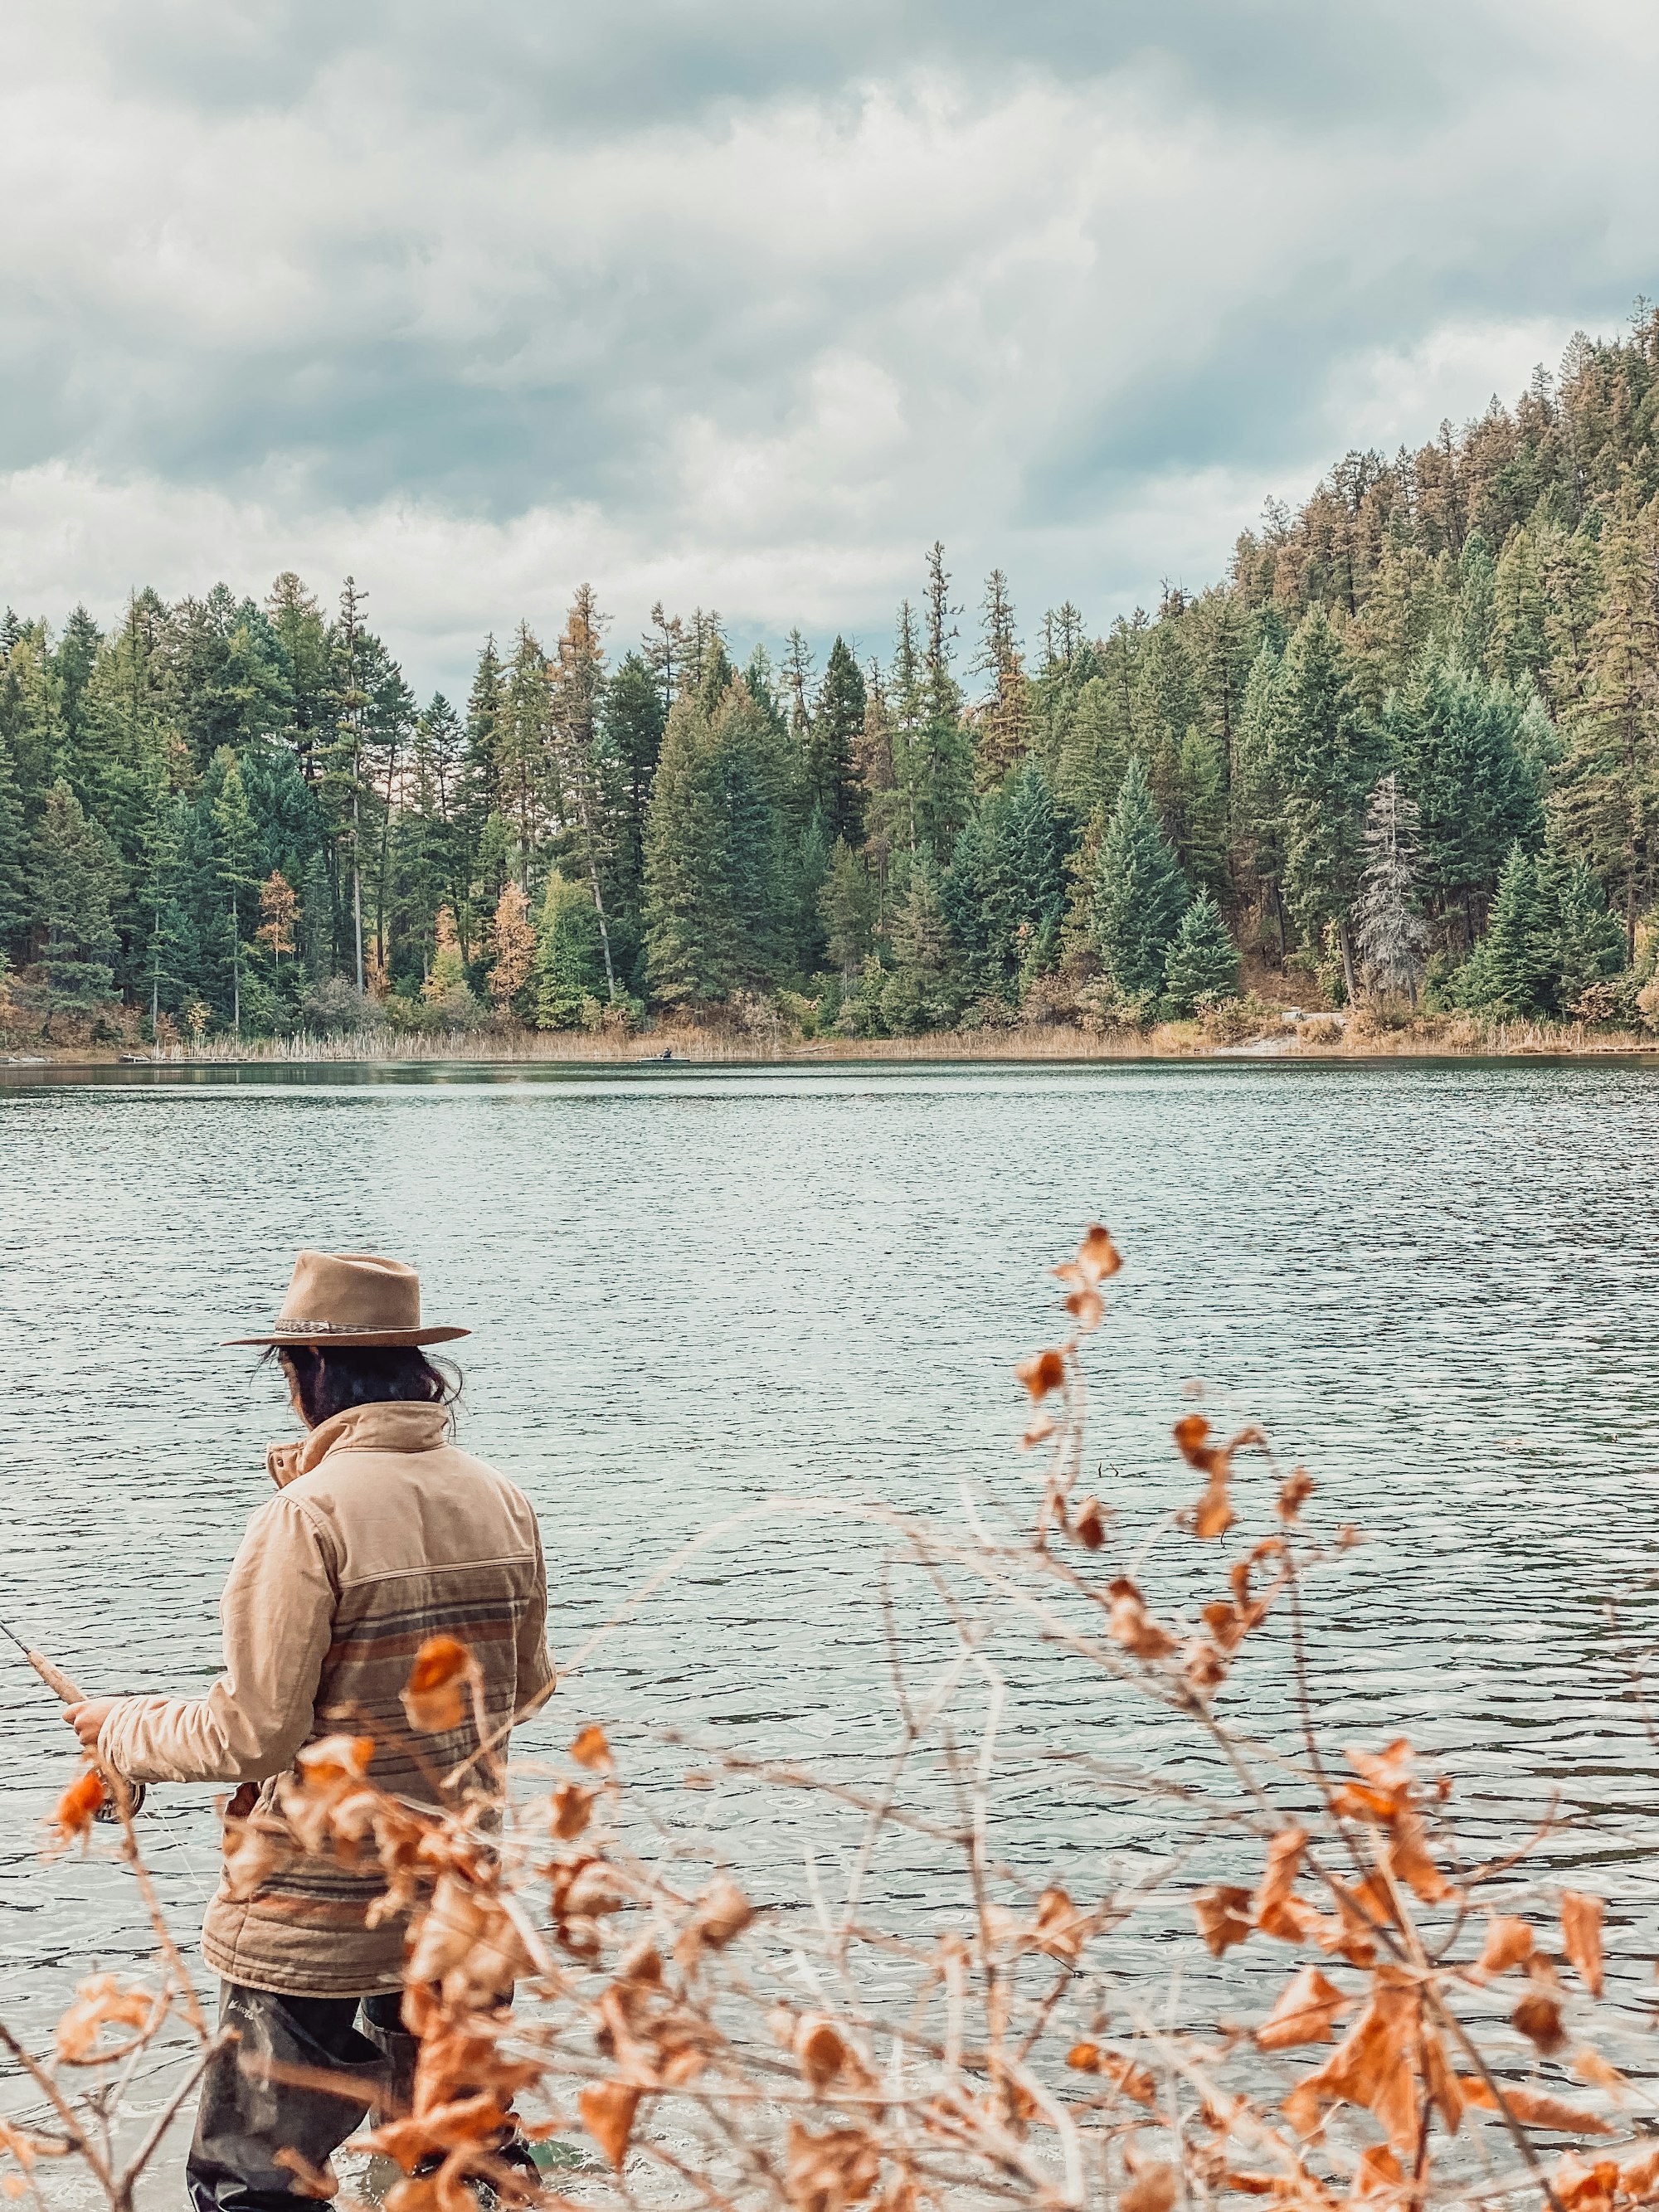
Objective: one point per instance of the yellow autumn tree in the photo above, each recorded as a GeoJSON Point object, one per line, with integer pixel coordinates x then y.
{"type": "Point", "coordinates": [514, 943]}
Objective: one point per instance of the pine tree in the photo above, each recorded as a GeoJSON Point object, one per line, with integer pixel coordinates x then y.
{"type": "Point", "coordinates": [1327, 756]}
{"type": "Point", "coordinates": [1094, 749]}
{"type": "Point", "coordinates": [1458, 738]}
{"type": "Point", "coordinates": [524, 749]}
{"type": "Point", "coordinates": [589, 775]}
{"type": "Point", "coordinates": [797, 684]}
{"type": "Point", "coordinates": [1005, 713]}
{"type": "Point", "coordinates": [72, 878]}
{"type": "Point", "coordinates": [302, 635]}
{"type": "Point", "coordinates": [943, 698]}
{"type": "Point", "coordinates": [690, 931]}
{"type": "Point", "coordinates": [486, 701]}
{"type": "Point", "coordinates": [831, 743]}
{"type": "Point", "coordinates": [667, 652]}
{"type": "Point", "coordinates": [1476, 595]}
{"type": "Point", "coordinates": [1164, 707]}
{"type": "Point", "coordinates": [568, 964]}
{"type": "Point", "coordinates": [1201, 811]}
{"type": "Point", "coordinates": [847, 902]}
{"type": "Point", "coordinates": [919, 994]}
{"type": "Point", "coordinates": [1202, 964]}
{"type": "Point", "coordinates": [1022, 879]}
{"type": "Point", "coordinates": [1609, 796]}
{"type": "Point", "coordinates": [347, 753]}
{"type": "Point", "coordinates": [1140, 893]}
{"type": "Point", "coordinates": [1580, 944]}
{"type": "Point", "coordinates": [1519, 644]}
{"type": "Point", "coordinates": [14, 884]}
{"type": "Point", "coordinates": [1257, 802]}
{"type": "Point", "coordinates": [238, 858]}
{"type": "Point", "coordinates": [1388, 932]}
{"type": "Point", "coordinates": [1507, 972]}
{"type": "Point", "coordinates": [633, 719]}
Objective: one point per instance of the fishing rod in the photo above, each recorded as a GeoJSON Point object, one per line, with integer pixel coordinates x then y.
{"type": "Point", "coordinates": [62, 1688]}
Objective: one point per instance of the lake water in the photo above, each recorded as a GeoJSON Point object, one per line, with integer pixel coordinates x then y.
{"type": "Point", "coordinates": [1438, 1285]}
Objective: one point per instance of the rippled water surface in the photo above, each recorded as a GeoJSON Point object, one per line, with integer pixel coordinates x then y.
{"type": "Point", "coordinates": [1439, 1286]}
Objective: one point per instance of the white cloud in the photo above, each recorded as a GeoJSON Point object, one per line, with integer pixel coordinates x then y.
{"type": "Point", "coordinates": [364, 315]}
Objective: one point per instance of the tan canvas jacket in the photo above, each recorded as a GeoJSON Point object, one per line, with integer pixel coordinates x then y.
{"type": "Point", "coordinates": [381, 1535]}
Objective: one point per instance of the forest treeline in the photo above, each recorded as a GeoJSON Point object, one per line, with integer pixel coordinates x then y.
{"type": "Point", "coordinates": [1409, 748]}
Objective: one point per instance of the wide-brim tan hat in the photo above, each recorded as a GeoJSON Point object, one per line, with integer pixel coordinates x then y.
{"type": "Point", "coordinates": [347, 1298]}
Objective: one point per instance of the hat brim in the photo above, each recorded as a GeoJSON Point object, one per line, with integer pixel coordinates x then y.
{"type": "Point", "coordinates": [344, 1339]}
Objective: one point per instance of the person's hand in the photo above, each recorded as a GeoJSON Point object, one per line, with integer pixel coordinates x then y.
{"type": "Point", "coordinates": [88, 1718]}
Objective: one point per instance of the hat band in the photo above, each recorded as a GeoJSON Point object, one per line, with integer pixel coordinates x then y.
{"type": "Point", "coordinates": [339, 1327]}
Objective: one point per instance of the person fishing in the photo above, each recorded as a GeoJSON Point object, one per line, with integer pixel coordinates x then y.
{"type": "Point", "coordinates": [382, 1533]}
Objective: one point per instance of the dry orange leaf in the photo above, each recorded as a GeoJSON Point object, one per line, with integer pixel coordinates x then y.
{"type": "Point", "coordinates": [78, 1806]}
{"type": "Point", "coordinates": [1097, 1256]}
{"type": "Point", "coordinates": [572, 1808]}
{"type": "Point", "coordinates": [1043, 1372]}
{"type": "Point", "coordinates": [100, 2002]}
{"type": "Point", "coordinates": [1190, 1431]}
{"type": "Point", "coordinates": [1114, 2067]}
{"type": "Point", "coordinates": [1538, 2109]}
{"type": "Point", "coordinates": [1377, 2172]}
{"type": "Point", "coordinates": [1154, 2189]}
{"type": "Point", "coordinates": [591, 1749]}
{"type": "Point", "coordinates": [1409, 1861]}
{"type": "Point", "coordinates": [1509, 1943]}
{"type": "Point", "coordinates": [1225, 1915]}
{"type": "Point", "coordinates": [1582, 2187]}
{"type": "Point", "coordinates": [437, 1695]}
{"type": "Point", "coordinates": [827, 2172]}
{"type": "Point", "coordinates": [1294, 1492]}
{"type": "Point", "coordinates": [1590, 2067]}
{"type": "Point", "coordinates": [607, 2109]}
{"type": "Point", "coordinates": [1639, 2176]}
{"type": "Point", "coordinates": [819, 2051]}
{"type": "Point", "coordinates": [1538, 2019]}
{"type": "Point", "coordinates": [334, 1759]}
{"type": "Point", "coordinates": [1089, 1525]}
{"type": "Point", "coordinates": [1284, 1852]}
{"type": "Point", "coordinates": [1131, 1626]}
{"type": "Point", "coordinates": [1306, 2012]}
{"type": "Point", "coordinates": [1086, 1309]}
{"type": "Point", "coordinates": [723, 1913]}
{"type": "Point", "coordinates": [1580, 1934]}
{"type": "Point", "coordinates": [1373, 2066]}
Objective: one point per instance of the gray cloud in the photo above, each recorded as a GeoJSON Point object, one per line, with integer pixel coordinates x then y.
{"type": "Point", "coordinates": [748, 303]}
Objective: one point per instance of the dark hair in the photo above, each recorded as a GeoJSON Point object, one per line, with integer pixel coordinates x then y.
{"type": "Point", "coordinates": [327, 1382]}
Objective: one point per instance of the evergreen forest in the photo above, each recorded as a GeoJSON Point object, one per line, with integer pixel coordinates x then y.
{"type": "Point", "coordinates": [1406, 753]}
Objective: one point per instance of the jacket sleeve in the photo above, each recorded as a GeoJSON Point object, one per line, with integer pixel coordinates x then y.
{"type": "Point", "coordinates": [535, 1673]}
{"type": "Point", "coordinates": [276, 1615]}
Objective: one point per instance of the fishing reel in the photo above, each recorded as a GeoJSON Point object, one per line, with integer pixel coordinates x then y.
{"type": "Point", "coordinates": [108, 1814]}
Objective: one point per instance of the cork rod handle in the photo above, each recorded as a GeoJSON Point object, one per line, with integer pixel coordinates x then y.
{"type": "Point", "coordinates": [54, 1678]}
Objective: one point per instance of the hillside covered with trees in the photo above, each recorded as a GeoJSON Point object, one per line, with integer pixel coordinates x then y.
{"type": "Point", "coordinates": [1409, 750]}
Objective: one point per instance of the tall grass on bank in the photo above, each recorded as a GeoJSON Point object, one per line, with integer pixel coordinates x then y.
{"type": "Point", "coordinates": [1356, 1037]}
{"type": "Point", "coordinates": [1424, 2026]}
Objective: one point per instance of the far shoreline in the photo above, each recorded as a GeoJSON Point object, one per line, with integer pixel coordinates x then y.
{"type": "Point", "coordinates": [1324, 1039]}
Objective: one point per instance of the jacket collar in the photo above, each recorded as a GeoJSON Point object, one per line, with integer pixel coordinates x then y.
{"type": "Point", "coordinates": [401, 1426]}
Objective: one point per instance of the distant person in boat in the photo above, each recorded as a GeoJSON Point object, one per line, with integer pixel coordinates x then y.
{"type": "Point", "coordinates": [381, 1533]}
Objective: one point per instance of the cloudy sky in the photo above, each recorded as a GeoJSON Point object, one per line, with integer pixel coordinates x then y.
{"type": "Point", "coordinates": [744, 301]}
